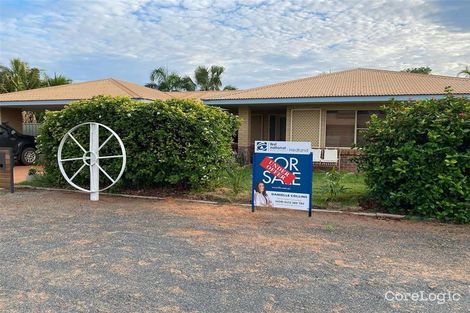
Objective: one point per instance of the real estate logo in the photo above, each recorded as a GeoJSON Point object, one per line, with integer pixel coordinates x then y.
{"type": "Point", "coordinates": [261, 146]}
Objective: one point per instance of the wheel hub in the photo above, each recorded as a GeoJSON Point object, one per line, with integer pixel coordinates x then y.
{"type": "Point", "coordinates": [91, 156]}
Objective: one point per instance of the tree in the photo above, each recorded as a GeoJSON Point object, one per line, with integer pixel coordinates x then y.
{"type": "Point", "coordinates": [56, 80]}
{"type": "Point", "coordinates": [163, 80]}
{"type": "Point", "coordinates": [230, 87]}
{"type": "Point", "coordinates": [419, 70]}
{"type": "Point", "coordinates": [20, 76]}
{"type": "Point", "coordinates": [465, 72]}
{"type": "Point", "coordinates": [209, 78]}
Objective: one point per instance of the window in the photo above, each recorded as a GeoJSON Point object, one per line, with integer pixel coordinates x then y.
{"type": "Point", "coordinates": [277, 127]}
{"type": "Point", "coordinates": [363, 117]}
{"type": "Point", "coordinates": [340, 127]}
{"type": "Point", "coordinates": [344, 127]}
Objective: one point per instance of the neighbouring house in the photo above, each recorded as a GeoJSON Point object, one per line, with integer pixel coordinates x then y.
{"type": "Point", "coordinates": [54, 98]}
{"type": "Point", "coordinates": [329, 110]}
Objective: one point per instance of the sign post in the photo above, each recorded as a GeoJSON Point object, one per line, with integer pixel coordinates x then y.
{"type": "Point", "coordinates": [282, 175]}
{"type": "Point", "coordinates": [6, 168]}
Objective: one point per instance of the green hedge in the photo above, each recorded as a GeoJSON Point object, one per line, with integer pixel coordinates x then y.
{"type": "Point", "coordinates": [417, 159]}
{"type": "Point", "coordinates": [169, 143]}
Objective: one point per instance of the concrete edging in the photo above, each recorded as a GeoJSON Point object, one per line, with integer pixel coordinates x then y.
{"type": "Point", "coordinates": [376, 215]}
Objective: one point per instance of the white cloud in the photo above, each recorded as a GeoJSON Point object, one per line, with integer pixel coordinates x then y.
{"type": "Point", "coordinates": [259, 42]}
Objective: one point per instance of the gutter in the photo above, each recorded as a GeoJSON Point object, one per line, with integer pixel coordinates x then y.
{"type": "Point", "coordinates": [306, 100]}
{"type": "Point", "coordinates": [51, 102]}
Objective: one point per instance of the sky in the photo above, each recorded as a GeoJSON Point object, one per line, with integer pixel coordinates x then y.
{"type": "Point", "coordinates": [258, 42]}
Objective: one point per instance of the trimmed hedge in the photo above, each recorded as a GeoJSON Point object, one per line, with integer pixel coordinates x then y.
{"type": "Point", "coordinates": [417, 159]}
{"type": "Point", "coordinates": [181, 143]}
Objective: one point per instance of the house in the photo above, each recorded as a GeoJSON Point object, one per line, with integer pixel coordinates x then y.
{"type": "Point", "coordinates": [329, 110]}
{"type": "Point", "coordinates": [54, 98]}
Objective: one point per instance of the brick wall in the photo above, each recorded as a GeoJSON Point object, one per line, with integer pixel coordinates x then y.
{"type": "Point", "coordinates": [346, 162]}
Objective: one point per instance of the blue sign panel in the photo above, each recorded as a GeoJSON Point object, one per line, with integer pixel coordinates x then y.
{"type": "Point", "coordinates": [282, 175]}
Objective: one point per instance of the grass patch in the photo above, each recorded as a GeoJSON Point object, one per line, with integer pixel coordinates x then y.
{"type": "Point", "coordinates": [349, 198]}
{"type": "Point", "coordinates": [354, 185]}
{"type": "Point", "coordinates": [330, 227]}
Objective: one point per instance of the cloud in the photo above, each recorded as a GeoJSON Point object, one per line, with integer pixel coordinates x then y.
{"type": "Point", "coordinates": [259, 42]}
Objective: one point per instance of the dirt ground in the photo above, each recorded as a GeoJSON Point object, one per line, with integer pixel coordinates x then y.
{"type": "Point", "coordinates": [61, 253]}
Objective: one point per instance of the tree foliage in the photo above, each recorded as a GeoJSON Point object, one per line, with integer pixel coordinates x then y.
{"type": "Point", "coordinates": [55, 80]}
{"type": "Point", "coordinates": [163, 80]}
{"type": "Point", "coordinates": [20, 76]}
{"type": "Point", "coordinates": [230, 87]}
{"type": "Point", "coordinates": [205, 78]}
{"type": "Point", "coordinates": [419, 70]}
{"type": "Point", "coordinates": [169, 143]}
{"type": "Point", "coordinates": [417, 159]}
{"type": "Point", "coordinates": [209, 78]}
{"type": "Point", "coordinates": [465, 72]}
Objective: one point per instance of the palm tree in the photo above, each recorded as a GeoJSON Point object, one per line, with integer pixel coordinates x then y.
{"type": "Point", "coordinates": [162, 80]}
{"type": "Point", "coordinates": [56, 80]}
{"type": "Point", "coordinates": [20, 76]}
{"type": "Point", "coordinates": [465, 72]}
{"type": "Point", "coordinates": [201, 73]}
{"type": "Point", "coordinates": [209, 78]}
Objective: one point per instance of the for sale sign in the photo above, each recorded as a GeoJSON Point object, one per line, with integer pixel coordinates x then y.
{"type": "Point", "coordinates": [282, 175]}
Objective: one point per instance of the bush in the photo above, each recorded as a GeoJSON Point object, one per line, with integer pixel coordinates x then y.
{"type": "Point", "coordinates": [333, 185]}
{"type": "Point", "coordinates": [179, 143]}
{"type": "Point", "coordinates": [417, 159]}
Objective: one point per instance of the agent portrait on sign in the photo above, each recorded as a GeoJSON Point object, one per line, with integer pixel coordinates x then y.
{"type": "Point", "coordinates": [260, 197]}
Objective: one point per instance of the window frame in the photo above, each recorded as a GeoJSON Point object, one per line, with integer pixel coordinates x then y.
{"type": "Point", "coordinates": [355, 125]}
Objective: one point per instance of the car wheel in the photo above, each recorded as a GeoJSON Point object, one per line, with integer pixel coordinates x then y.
{"type": "Point", "coordinates": [29, 156]}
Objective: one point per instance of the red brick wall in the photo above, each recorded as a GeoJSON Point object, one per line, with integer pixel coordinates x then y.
{"type": "Point", "coordinates": [346, 163]}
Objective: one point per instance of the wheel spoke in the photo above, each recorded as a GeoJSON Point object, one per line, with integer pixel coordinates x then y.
{"type": "Point", "coordinates": [76, 173]}
{"type": "Point", "coordinates": [74, 159]}
{"type": "Point", "coordinates": [105, 142]}
{"type": "Point", "coordinates": [76, 141]}
{"type": "Point", "coordinates": [110, 157]}
{"type": "Point", "coordinates": [104, 172]}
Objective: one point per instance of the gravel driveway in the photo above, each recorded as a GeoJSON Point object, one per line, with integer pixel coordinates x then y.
{"type": "Point", "coordinates": [61, 253]}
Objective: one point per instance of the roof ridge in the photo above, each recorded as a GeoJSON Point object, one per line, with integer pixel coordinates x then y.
{"type": "Point", "coordinates": [409, 73]}
{"type": "Point", "coordinates": [122, 86]}
{"type": "Point", "coordinates": [61, 86]}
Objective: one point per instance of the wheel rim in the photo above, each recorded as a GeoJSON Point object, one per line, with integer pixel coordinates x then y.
{"type": "Point", "coordinates": [91, 157]}
{"type": "Point", "coordinates": [30, 156]}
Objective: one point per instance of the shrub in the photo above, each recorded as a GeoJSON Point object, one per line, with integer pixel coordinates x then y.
{"type": "Point", "coordinates": [236, 175]}
{"type": "Point", "coordinates": [417, 159]}
{"type": "Point", "coordinates": [175, 142]}
{"type": "Point", "coordinates": [333, 185]}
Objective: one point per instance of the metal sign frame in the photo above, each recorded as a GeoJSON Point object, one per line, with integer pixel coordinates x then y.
{"type": "Point", "coordinates": [91, 158]}
{"type": "Point", "coordinates": [282, 175]}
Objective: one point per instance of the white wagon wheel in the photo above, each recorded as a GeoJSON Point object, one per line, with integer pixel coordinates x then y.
{"type": "Point", "coordinates": [91, 157]}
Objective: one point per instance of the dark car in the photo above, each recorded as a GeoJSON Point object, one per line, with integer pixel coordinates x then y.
{"type": "Point", "coordinates": [24, 146]}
